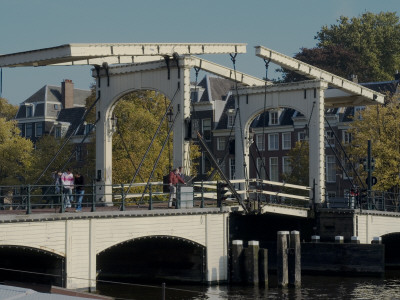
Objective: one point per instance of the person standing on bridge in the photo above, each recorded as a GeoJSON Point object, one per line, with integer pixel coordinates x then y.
{"type": "Point", "coordinates": [173, 180]}
{"type": "Point", "coordinates": [67, 181]}
{"type": "Point", "coordinates": [79, 190]}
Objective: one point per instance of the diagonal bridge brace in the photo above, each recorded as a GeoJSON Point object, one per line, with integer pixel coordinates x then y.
{"type": "Point", "coordinates": [215, 163]}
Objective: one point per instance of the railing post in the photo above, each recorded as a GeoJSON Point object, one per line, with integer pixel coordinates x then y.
{"type": "Point", "coordinates": [62, 198]}
{"type": "Point", "coordinates": [202, 195]}
{"type": "Point", "coordinates": [123, 197]}
{"type": "Point", "coordinates": [28, 201]}
{"type": "Point", "coordinates": [178, 197]}
{"type": "Point", "coordinates": [93, 197]}
{"type": "Point", "coordinates": [150, 197]}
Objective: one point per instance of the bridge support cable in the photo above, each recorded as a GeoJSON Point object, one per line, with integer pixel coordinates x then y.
{"type": "Point", "coordinates": [151, 142]}
{"type": "Point", "coordinates": [83, 118]}
{"type": "Point", "coordinates": [159, 155]}
{"type": "Point", "coordinates": [216, 165]}
{"type": "Point", "coordinates": [246, 177]}
{"type": "Point", "coordinates": [346, 157]}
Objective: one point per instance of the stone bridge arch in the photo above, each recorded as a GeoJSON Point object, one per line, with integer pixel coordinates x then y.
{"type": "Point", "coordinates": [154, 257]}
{"type": "Point", "coordinates": [306, 97]}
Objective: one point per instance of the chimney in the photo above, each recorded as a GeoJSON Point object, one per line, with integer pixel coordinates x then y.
{"type": "Point", "coordinates": [67, 93]}
{"type": "Point", "coordinates": [397, 75]}
{"type": "Point", "coordinates": [354, 78]}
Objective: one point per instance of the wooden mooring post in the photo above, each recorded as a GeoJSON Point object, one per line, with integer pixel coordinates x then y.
{"type": "Point", "coordinates": [288, 259]}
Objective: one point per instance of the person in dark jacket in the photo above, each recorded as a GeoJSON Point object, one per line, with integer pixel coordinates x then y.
{"type": "Point", "coordinates": [174, 179]}
{"type": "Point", "coordinates": [80, 190]}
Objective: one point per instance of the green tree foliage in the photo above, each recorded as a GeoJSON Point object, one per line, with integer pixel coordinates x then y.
{"type": "Point", "coordinates": [15, 154]}
{"type": "Point", "coordinates": [374, 37]}
{"type": "Point", "coordinates": [7, 110]}
{"type": "Point", "coordinates": [380, 124]}
{"type": "Point", "coordinates": [45, 150]}
{"type": "Point", "coordinates": [299, 162]}
{"type": "Point", "coordinates": [139, 114]}
{"type": "Point", "coordinates": [367, 46]}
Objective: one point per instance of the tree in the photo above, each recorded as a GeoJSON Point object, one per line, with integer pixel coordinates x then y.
{"type": "Point", "coordinates": [380, 125]}
{"type": "Point", "coordinates": [374, 37]}
{"type": "Point", "coordinates": [7, 110]}
{"type": "Point", "coordinates": [15, 154]}
{"type": "Point", "coordinates": [299, 162]}
{"type": "Point", "coordinates": [333, 58]}
{"type": "Point", "coordinates": [367, 46]}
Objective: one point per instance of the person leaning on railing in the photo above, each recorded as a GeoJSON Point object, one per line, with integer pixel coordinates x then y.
{"type": "Point", "coordinates": [79, 190]}
{"type": "Point", "coordinates": [173, 180]}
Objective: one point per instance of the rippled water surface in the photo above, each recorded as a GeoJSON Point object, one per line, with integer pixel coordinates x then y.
{"type": "Point", "coordinates": [313, 287]}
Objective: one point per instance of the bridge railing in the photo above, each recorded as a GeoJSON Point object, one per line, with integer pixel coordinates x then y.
{"type": "Point", "coordinates": [154, 195]}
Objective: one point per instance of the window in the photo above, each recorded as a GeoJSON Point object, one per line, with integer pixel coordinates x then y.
{"type": "Point", "coordinates": [220, 143]}
{"type": "Point", "coordinates": [194, 96]}
{"type": "Point", "coordinates": [261, 168]}
{"type": "Point", "coordinates": [358, 112]}
{"type": "Point", "coordinates": [330, 138]}
{"type": "Point", "coordinates": [232, 168]}
{"type": "Point", "coordinates": [260, 142]}
{"type": "Point", "coordinates": [330, 168]}
{"type": "Point", "coordinates": [286, 166]}
{"type": "Point", "coordinates": [273, 169]}
{"type": "Point", "coordinates": [286, 140]}
{"type": "Point", "coordinates": [57, 132]}
{"type": "Point", "coordinates": [28, 132]}
{"type": "Point", "coordinates": [21, 129]}
{"type": "Point", "coordinates": [231, 120]}
{"type": "Point", "coordinates": [39, 129]}
{"type": "Point", "coordinates": [346, 137]}
{"type": "Point", "coordinates": [206, 165]}
{"type": "Point", "coordinates": [56, 107]}
{"type": "Point", "coordinates": [273, 141]}
{"type": "Point", "coordinates": [29, 111]}
{"type": "Point", "coordinates": [302, 136]}
{"type": "Point", "coordinates": [348, 170]}
{"type": "Point", "coordinates": [88, 128]}
{"type": "Point", "coordinates": [273, 118]}
{"type": "Point", "coordinates": [206, 129]}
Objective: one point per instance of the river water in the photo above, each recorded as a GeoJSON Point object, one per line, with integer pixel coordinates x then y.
{"type": "Point", "coordinates": [313, 287]}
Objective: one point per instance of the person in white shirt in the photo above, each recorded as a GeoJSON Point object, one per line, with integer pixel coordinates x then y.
{"type": "Point", "coordinates": [67, 181]}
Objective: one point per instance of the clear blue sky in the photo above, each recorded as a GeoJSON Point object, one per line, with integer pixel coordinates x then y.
{"type": "Point", "coordinates": [284, 26]}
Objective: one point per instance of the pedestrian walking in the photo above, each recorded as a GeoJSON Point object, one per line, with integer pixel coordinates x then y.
{"type": "Point", "coordinates": [67, 181]}
{"type": "Point", "coordinates": [79, 190]}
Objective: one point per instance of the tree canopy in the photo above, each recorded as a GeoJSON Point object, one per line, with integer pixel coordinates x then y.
{"type": "Point", "coordinates": [367, 46]}
{"type": "Point", "coordinates": [380, 124]}
{"type": "Point", "coordinates": [15, 154]}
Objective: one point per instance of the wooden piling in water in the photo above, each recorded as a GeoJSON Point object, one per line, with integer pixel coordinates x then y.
{"type": "Point", "coordinates": [282, 259]}
{"type": "Point", "coordinates": [237, 261]}
{"type": "Point", "coordinates": [251, 262]}
{"type": "Point", "coordinates": [294, 259]}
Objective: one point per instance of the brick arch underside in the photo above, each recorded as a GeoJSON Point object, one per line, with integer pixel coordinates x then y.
{"type": "Point", "coordinates": [153, 258]}
{"type": "Point", "coordinates": [32, 265]}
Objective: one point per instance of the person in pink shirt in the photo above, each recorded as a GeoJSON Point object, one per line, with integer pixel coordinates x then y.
{"type": "Point", "coordinates": [67, 181]}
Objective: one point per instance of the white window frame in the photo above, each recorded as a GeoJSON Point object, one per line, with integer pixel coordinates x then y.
{"type": "Point", "coordinates": [261, 174]}
{"type": "Point", "coordinates": [330, 138]}
{"type": "Point", "coordinates": [260, 142]}
{"type": "Point", "coordinates": [274, 168]}
{"type": "Point", "coordinates": [286, 166]}
{"type": "Point", "coordinates": [330, 168]}
{"type": "Point", "coordinates": [28, 125]}
{"type": "Point", "coordinates": [273, 117]}
{"type": "Point", "coordinates": [29, 111]}
{"type": "Point", "coordinates": [206, 128]}
{"type": "Point", "coordinates": [231, 120]}
{"type": "Point", "coordinates": [57, 132]}
{"type": "Point", "coordinates": [221, 143]}
{"type": "Point", "coordinates": [286, 141]}
{"type": "Point", "coordinates": [38, 125]}
{"type": "Point", "coordinates": [346, 137]}
{"type": "Point", "coordinates": [273, 141]}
